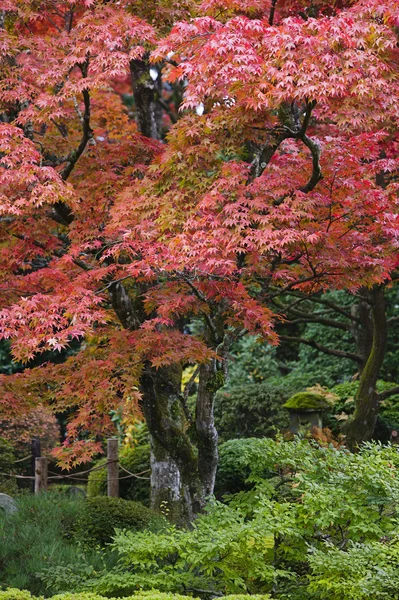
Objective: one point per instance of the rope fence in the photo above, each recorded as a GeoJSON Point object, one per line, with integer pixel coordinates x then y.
{"type": "Point", "coordinates": [42, 475]}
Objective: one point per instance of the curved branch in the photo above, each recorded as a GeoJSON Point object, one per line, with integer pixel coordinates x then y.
{"type": "Point", "coordinates": [87, 134]}
{"type": "Point", "coordinates": [324, 349]}
{"type": "Point", "coordinates": [304, 317]}
{"type": "Point", "coordinates": [335, 307]}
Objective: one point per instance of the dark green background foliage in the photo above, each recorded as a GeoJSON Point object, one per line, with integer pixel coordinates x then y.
{"type": "Point", "coordinates": [252, 410]}
{"type": "Point", "coordinates": [388, 418]}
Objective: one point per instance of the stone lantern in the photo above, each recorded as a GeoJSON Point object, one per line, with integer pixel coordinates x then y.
{"type": "Point", "coordinates": [306, 411]}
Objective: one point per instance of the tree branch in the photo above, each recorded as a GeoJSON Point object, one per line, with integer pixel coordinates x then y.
{"type": "Point", "coordinates": [316, 175]}
{"type": "Point", "coordinates": [272, 11]}
{"type": "Point", "coordinates": [304, 317]}
{"type": "Point", "coordinates": [335, 307]}
{"type": "Point", "coordinates": [87, 132]}
{"type": "Point", "coordinates": [387, 393]}
{"type": "Point", "coordinates": [324, 349]}
{"type": "Point", "coordinates": [201, 297]}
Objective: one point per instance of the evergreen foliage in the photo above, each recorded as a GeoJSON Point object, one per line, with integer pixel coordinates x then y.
{"type": "Point", "coordinates": [40, 536]}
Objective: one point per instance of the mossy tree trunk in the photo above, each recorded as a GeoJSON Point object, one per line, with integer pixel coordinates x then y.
{"type": "Point", "coordinates": [184, 452]}
{"type": "Point", "coordinates": [362, 328]}
{"type": "Point", "coordinates": [360, 427]}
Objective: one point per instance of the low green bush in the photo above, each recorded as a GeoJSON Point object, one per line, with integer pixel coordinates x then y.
{"type": "Point", "coordinates": [252, 410]}
{"type": "Point", "coordinates": [233, 473]}
{"type": "Point", "coordinates": [317, 523]}
{"type": "Point", "coordinates": [14, 594]}
{"type": "Point", "coordinates": [134, 459]}
{"type": "Point", "coordinates": [100, 516]}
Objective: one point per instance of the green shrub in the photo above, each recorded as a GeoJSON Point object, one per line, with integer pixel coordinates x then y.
{"type": "Point", "coordinates": [246, 597]}
{"type": "Point", "coordinates": [253, 410]}
{"type": "Point", "coordinates": [39, 536]}
{"type": "Point", "coordinates": [100, 517]}
{"type": "Point", "coordinates": [310, 507]}
{"type": "Point", "coordinates": [15, 594]}
{"type": "Point", "coordinates": [135, 460]}
{"type": "Point", "coordinates": [77, 596]}
{"type": "Point", "coordinates": [233, 471]}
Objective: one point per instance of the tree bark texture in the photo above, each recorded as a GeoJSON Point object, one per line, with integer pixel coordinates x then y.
{"type": "Point", "coordinates": [184, 452]}
{"type": "Point", "coordinates": [363, 329]}
{"type": "Point", "coordinates": [361, 427]}
{"type": "Point", "coordinates": [147, 93]}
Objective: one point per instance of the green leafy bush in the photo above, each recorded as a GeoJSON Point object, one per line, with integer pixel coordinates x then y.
{"type": "Point", "coordinates": [39, 536]}
{"type": "Point", "coordinates": [232, 474]}
{"type": "Point", "coordinates": [14, 594]}
{"type": "Point", "coordinates": [134, 459]}
{"type": "Point", "coordinates": [253, 410]}
{"type": "Point", "coordinates": [309, 507]}
{"type": "Point", "coordinates": [101, 515]}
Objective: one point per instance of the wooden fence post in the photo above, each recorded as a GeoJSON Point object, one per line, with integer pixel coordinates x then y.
{"type": "Point", "coordinates": [35, 452]}
{"type": "Point", "coordinates": [113, 468]}
{"type": "Point", "coordinates": [41, 471]}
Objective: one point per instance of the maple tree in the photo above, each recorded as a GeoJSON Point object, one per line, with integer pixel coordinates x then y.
{"type": "Point", "coordinates": [167, 170]}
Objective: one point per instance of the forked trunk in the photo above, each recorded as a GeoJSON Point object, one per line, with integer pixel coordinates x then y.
{"type": "Point", "coordinates": [183, 451]}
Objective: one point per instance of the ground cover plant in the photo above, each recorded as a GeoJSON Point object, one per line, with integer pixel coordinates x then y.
{"type": "Point", "coordinates": [15, 594]}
